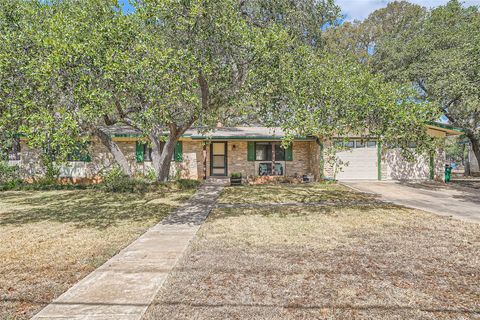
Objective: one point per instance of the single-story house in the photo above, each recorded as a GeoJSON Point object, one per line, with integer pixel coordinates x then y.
{"type": "Point", "coordinates": [253, 151]}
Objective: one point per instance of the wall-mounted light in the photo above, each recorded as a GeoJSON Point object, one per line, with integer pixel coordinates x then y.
{"type": "Point", "coordinates": [234, 147]}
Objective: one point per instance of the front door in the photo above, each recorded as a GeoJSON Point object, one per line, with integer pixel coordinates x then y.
{"type": "Point", "coordinates": [218, 159]}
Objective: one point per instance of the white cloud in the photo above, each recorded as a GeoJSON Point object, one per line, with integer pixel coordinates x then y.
{"type": "Point", "coordinates": [360, 9]}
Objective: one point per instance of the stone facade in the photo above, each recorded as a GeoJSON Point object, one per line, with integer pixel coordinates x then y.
{"type": "Point", "coordinates": [195, 158]}
{"type": "Point", "coordinates": [308, 157]}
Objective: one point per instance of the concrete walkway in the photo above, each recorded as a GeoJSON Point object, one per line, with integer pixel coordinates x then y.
{"type": "Point", "coordinates": [125, 285]}
{"type": "Point", "coordinates": [462, 204]}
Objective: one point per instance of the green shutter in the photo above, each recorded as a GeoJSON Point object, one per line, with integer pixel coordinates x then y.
{"type": "Point", "coordinates": [139, 151]}
{"type": "Point", "coordinates": [86, 157]}
{"type": "Point", "coordinates": [251, 151]}
{"type": "Point", "coordinates": [289, 153]}
{"type": "Point", "coordinates": [178, 152]}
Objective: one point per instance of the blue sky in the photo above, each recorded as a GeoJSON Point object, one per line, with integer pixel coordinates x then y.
{"type": "Point", "coordinates": [359, 9]}
{"type": "Point", "coordinates": [126, 6]}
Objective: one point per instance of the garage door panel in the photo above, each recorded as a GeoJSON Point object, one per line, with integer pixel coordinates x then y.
{"type": "Point", "coordinates": [360, 163]}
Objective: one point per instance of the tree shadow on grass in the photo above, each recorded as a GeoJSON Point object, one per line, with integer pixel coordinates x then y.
{"type": "Point", "coordinates": [292, 193]}
{"type": "Point", "coordinates": [295, 210]}
{"type": "Point", "coordinates": [95, 209]}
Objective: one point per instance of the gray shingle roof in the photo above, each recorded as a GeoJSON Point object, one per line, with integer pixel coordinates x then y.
{"type": "Point", "coordinates": [216, 133]}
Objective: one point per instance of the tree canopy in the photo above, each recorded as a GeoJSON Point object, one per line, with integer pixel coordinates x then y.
{"type": "Point", "coordinates": [437, 51]}
{"type": "Point", "coordinates": [174, 64]}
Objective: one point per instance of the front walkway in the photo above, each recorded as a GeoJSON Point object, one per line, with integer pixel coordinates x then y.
{"type": "Point", "coordinates": [124, 286]}
{"type": "Point", "coordinates": [445, 200]}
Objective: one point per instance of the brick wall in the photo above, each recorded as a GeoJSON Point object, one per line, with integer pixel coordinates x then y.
{"type": "Point", "coordinates": [301, 163]}
{"type": "Point", "coordinates": [237, 158]}
{"type": "Point", "coordinates": [306, 156]}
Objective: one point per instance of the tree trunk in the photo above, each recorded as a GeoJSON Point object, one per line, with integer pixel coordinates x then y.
{"type": "Point", "coordinates": [118, 155]}
{"type": "Point", "coordinates": [466, 160]}
{"type": "Point", "coordinates": [162, 158]}
{"type": "Point", "coordinates": [475, 142]}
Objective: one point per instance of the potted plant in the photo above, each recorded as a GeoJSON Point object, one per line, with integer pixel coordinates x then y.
{"type": "Point", "coordinates": [235, 178]}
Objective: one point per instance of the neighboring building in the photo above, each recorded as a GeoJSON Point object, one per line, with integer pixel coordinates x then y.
{"type": "Point", "coordinates": [253, 151]}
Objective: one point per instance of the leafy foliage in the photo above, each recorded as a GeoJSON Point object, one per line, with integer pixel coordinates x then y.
{"type": "Point", "coordinates": [8, 174]}
{"type": "Point", "coordinates": [173, 64]}
{"type": "Point", "coordinates": [437, 50]}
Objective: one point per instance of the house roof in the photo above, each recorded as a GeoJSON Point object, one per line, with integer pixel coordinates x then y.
{"type": "Point", "coordinates": [231, 133]}
{"type": "Point", "coordinates": [243, 133]}
{"type": "Point", "coordinates": [239, 133]}
{"type": "Point", "coordinates": [447, 128]}
{"type": "Point", "coordinates": [118, 131]}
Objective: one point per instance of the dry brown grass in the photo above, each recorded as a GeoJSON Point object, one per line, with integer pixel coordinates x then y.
{"type": "Point", "coordinates": [51, 239]}
{"type": "Point", "coordinates": [331, 262]}
{"type": "Point", "coordinates": [289, 193]}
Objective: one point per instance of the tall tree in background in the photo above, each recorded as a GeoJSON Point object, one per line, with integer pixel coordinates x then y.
{"type": "Point", "coordinates": [328, 90]}
{"type": "Point", "coordinates": [438, 51]}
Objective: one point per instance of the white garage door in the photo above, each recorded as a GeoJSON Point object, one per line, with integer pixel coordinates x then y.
{"type": "Point", "coordinates": [360, 161]}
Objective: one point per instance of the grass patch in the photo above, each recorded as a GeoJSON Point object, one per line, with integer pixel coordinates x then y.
{"type": "Point", "coordinates": [51, 239]}
{"type": "Point", "coordinates": [376, 261]}
{"type": "Point", "coordinates": [285, 193]}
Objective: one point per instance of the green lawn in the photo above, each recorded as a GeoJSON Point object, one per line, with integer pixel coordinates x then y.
{"type": "Point", "coordinates": [51, 239]}
{"type": "Point", "coordinates": [343, 261]}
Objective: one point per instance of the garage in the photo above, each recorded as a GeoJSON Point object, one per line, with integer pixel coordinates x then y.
{"type": "Point", "coordinates": [358, 162]}
{"type": "Point", "coordinates": [399, 168]}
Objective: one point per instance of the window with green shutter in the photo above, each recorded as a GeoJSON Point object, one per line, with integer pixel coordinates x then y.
{"type": "Point", "coordinates": [178, 156]}
{"type": "Point", "coordinates": [289, 153]}
{"type": "Point", "coordinates": [251, 151]}
{"type": "Point", "coordinates": [139, 151]}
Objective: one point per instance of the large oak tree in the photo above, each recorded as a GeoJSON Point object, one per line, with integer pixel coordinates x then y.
{"type": "Point", "coordinates": [436, 50]}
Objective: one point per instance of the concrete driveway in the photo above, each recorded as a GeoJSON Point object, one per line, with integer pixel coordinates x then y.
{"type": "Point", "coordinates": [453, 201]}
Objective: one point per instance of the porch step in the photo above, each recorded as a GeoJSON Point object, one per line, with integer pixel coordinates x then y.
{"type": "Point", "coordinates": [218, 181]}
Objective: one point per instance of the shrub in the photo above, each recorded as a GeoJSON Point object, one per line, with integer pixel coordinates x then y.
{"type": "Point", "coordinates": [52, 172]}
{"type": "Point", "coordinates": [8, 173]}
{"type": "Point", "coordinates": [184, 184]}
{"type": "Point", "coordinates": [236, 175]}
{"type": "Point", "coordinates": [116, 181]}
{"type": "Point", "coordinates": [151, 175]}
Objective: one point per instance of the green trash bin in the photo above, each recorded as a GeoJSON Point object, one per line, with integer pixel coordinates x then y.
{"type": "Point", "coordinates": [448, 173]}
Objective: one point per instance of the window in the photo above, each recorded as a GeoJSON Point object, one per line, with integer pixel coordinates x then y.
{"type": "Point", "coordinates": [359, 144]}
{"type": "Point", "coordinates": [263, 151]}
{"type": "Point", "coordinates": [147, 152]}
{"type": "Point", "coordinates": [371, 144]}
{"type": "Point", "coordinates": [344, 143]}
{"type": "Point", "coordinates": [265, 169]}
